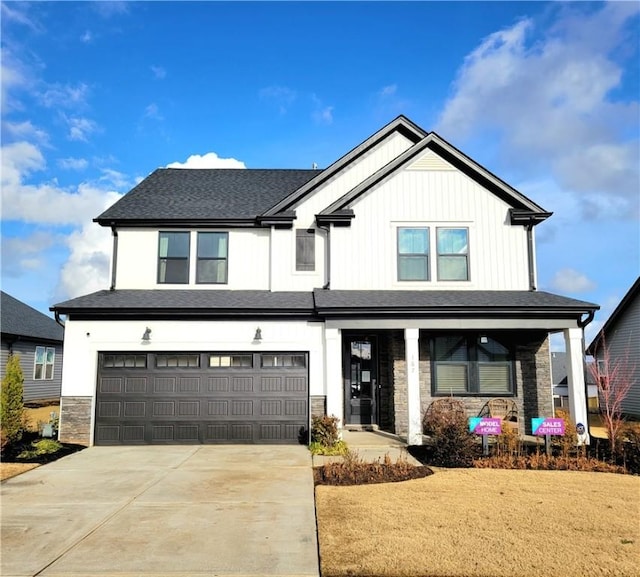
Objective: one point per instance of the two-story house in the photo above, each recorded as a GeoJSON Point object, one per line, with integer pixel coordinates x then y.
{"type": "Point", "coordinates": [244, 301]}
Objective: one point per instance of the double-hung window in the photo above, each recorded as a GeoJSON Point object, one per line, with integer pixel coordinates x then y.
{"type": "Point", "coordinates": [213, 252]}
{"type": "Point", "coordinates": [453, 253]}
{"type": "Point", "coordinates": [173, 258]}
{"type": "Point", "coordinates": [471, 364]}
{"type": "Point", "coordinates": [305, 249]}
{"type": "Point", "coordinates": [43, 363]}
{"type": "Point", "coordinates": [413, 254]}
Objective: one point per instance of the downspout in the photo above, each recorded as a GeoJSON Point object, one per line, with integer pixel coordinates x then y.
{"type": "Point", "coordinates": [57, 315]}
{"type": "Point", "coordinates": [530, 254]}
{"type": "Point", "coordinates": [114, 261]}
{"type": "Point", "coordinates": [327, 284]}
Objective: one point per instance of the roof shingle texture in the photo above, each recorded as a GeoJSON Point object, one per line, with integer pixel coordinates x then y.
{"type": "Point", "coordinates": [211, 194]}
{"type": "Point", "coordinates": [17, 318]}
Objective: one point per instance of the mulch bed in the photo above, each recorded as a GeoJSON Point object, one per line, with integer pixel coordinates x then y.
{"type": "Point", "coordinates": [367, 473]}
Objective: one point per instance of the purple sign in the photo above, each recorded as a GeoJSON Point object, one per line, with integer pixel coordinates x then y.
{"type": "Point", "coordinates": [485, 426]}
{"type": "Point", "coordinates": [542, 426]}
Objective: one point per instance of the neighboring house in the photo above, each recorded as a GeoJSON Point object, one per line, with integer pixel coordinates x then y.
{"type": "Point", "coordinates": [560, 383]}
{"type": "Point", "coordinates": [244, 301]}
{"type": "Point", "coordinates": [620, 335]}
{"type": "Point", "coordinates": [38, 340]}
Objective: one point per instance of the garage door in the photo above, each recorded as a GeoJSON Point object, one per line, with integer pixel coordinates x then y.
{"type": "Point", "coordinates": [165, 398]}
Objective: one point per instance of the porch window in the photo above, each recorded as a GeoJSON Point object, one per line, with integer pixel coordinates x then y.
{"type": "Point", "coordinates": [212, 257]}
{"type": "Point", "coordinates": [453, 253]}
{"type": "Point", "coordinates": [413, 254]}
{"type": "Point", "coordinates": [173, 258]}
{"type": "Point", "coordinates": [471, 364]}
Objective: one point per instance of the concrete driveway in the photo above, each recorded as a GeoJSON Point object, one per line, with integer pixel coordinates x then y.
{"type": "Point", "coordinates": [163, 511]}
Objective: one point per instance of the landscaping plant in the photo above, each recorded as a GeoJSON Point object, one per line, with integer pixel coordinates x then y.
{"type": "Point", "coordinates": [325, 439]}
{"type": "Point", "coordinates": [452, 444]}
{"type": "Point", "coordinates": [11, 404]}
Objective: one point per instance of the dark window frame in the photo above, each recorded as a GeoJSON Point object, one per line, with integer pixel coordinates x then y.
{"type": "Point", "coordinates": [473, 364]}
{"type": "Point", "coordinates": [164, 260]}
{"type": "Point", "coordinates": [219, 259]}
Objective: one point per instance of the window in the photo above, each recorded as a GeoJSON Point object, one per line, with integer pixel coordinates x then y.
{"type": "Point", "coordinates": [306, 249]}
{"type": "Point", "coordinates": [230, 361]}
{"type": "Point", "coordinates": [413, 254]}
{"type": "Point", "coordinates": [180, 361]}
{"type": "Point", "coordinates": [124, 361]}
{"type": "Point", "coordinates": [43, 363]}
{"type": "Point", "coordinates": [453, 253]}
{"type": "Point", "coordinates": [283, 361]}
{"type": "Point", "coordinates": [173, 258]}
{"type": "Point", "coordinates": [212, 257]}
{"type": "Point", "coordinates": [471, 364]}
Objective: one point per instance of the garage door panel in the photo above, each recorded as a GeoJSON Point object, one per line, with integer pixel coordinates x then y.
{"type": "Point", "coordinates": [200, 403]}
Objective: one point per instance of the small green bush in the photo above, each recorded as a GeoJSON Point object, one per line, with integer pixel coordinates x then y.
{"type": "Point", "coordinates": [324, 430]}
{"type": "Point", "coordinates": [40, 448]}
{"type": "Point", "coordinates": [12, 415]}
{"type": "Point", "coordinates": [337, 449]}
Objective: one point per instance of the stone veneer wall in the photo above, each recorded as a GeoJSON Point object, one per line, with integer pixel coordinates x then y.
{"type": "Point", "coordinates": [318, 405]}
{"type": "Point", "coordinates": [75, 420]}
{"type": "Point", "coordinates": [532, 373]}
{"type": "Point", "coordinates": [386, 408]}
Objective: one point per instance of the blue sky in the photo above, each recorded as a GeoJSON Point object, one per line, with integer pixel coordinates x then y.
{"type": "Point", "coordinates": [95, 96]}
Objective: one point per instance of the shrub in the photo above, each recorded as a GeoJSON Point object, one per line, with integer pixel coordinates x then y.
{"type": "Point", "coordinates": [508, 442]}
{"type": "Point", "coordinates": [544, 462]}
{"type": "Point", "coordinates": [453, 445]}
{"type": "Point", "coordinates": [40, 448]}
{"type": "Point", "coordinates": [12, 414]}
{"type": "Point", "coordinates": [337, 449]}
{"type": "Point", "coordinates": [324, 430]}
{"type": "Point", "coordinates": [568, 442]}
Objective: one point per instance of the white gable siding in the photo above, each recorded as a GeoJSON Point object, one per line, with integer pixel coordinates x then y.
{"type": "Point", "coordinates": [364, 255]}
{"type": "Point", "coordinates": [249, 256]}
{"type": "Point", "coordinates": [284, 276]}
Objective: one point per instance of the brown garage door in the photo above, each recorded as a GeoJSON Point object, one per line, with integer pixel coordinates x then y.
{"type": "Point", "coordinates": [171, 398]}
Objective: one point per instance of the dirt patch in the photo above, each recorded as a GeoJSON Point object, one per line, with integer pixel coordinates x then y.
{"type": "Point", "coordinates": [40, 413]}
{"type": "Point", "coordinates": [367, 473]}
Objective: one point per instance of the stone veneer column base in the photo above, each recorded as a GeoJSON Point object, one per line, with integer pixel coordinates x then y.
{"type": "Point", "coordinates": [75, 420]}
{"type": "Point", "coordinates": [318, 405]}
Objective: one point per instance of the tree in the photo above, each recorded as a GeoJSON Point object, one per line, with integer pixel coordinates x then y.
{"type": "Point", "coordinates": [614, 375]}
{"type": "Point", "coordinates": [11, 403]}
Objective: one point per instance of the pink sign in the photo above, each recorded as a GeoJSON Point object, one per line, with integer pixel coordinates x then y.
{"type": "Point", "coordinates": [485, 426]}
{"type": "Point", "coordinates": [542, 426]}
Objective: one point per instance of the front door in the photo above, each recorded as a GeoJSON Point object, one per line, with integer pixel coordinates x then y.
{"type": "Point", "coordinates": [360, 380]}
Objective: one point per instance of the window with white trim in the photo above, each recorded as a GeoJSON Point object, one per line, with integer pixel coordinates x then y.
{"type": "Point", "coordinates": [43, 364]}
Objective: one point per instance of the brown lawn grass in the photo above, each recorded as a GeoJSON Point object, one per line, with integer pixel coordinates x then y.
{"type": "Point", "coordinates": [483, 522]}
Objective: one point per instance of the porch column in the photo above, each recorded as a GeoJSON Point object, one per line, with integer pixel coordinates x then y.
{"type": "Point", "coordinates": [575, 381]}
{"type": "Point", "coordinates": [414, 430]}
{"type": "Point", "coordinates": [333, 374]}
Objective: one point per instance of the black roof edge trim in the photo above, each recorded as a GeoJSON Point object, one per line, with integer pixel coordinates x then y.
{"type": "Point", "coordinates": [159, 314]}
{"type": "Point", "coordinates": [190, 223]}
{"type": "Point", "coordinates": [282, 220]}
{"type": "Point", "coordinates": [339, 218]}
{"type": "Point", "coordinates": [527, 217]}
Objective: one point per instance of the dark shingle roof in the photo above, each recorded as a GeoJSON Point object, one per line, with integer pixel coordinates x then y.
{"type": "Point", "coordinates": [446, 301]}
{"type": "Point", "coordinates": [205, 194]}
{"type": "Point", "coordinates": [189, 302]}
{"type": "Point", "coordinates": [19, 319]}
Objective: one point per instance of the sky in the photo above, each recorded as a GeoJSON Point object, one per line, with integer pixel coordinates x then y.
{"type": "Point", "coordinates": [97, 95]}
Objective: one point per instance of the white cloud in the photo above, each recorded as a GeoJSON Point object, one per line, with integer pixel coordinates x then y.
{"type": "Point", "coordinates": [322, 114]}
{"type": "Point", "coordinates": [16, 12]}
{"type": "Point", "coordinates": [115, 179]}
{"type": "Point", "coordinates": [72, 163]}
{"type": "Point", "coordinates": [110, 8]}
{"type": "Point", "coordinates": [208, 160]}
{"type": "Point", "coordinates": [25, 130]}
{"type": "Point", "coordinates": [20, 254]}
{"type": "Point", "coordinates": [159, 72]}
{"type": "Point", "coordinates": [80, 128]}
{"type": "Point", "coordinates": [152, 111]}
{"type": "Point", "coordinates": [282, 96]}
{"type": "Point", "coordinates": [65, 95]}
{"type": "Point", "coordinates": [547, 103]}
{"type": "Point", "coordinates": [87, 37]}
{"type": "Point", "coordinates": [388, 90]}
{"type": "Point", "coordinates": [45, 202]}
{"type": "Point", "coordinates": [568, 280]}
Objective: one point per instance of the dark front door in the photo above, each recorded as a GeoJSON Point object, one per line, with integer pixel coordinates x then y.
{"type": "Point", "coordinates": [361, 377]}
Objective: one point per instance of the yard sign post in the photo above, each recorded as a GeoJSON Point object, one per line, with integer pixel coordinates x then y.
{"type": "Point", "coordinates": [485, 427]}
{"type": "Point", "coordinates": [547, 427]}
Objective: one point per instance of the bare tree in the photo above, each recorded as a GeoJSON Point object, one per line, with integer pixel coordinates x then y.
{"type": "Point", "coordinates": [614, 375]}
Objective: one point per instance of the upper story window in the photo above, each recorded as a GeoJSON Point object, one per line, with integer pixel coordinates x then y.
{"type": "Point", "coordinates": [453, 253]}
{"type": "Point", "coordinates": [213, 249]}
{"type": "Point", "coordinates": [305, 249]}
{"type": "Point", "coordinates": [413, 254]}
{"type": "Point", "coordinates": [43, 363]}
{"type": "Point", "coordinates": [472, 364]}
{"type": "Point", "coordinates": [173, 258]}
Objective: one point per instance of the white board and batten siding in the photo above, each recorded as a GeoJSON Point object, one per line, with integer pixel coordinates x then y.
{"type": "Point", "coordinates": [364, 256]}
{"type": "Point", "coordinates": [34, 389]}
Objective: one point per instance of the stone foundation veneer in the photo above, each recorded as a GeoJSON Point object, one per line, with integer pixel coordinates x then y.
{"type": "Point", "coordinates": [318, 405]}
{"type": "Point", "coordinates": [75, 420]}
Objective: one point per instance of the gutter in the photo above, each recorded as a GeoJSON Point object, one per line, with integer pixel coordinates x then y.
{"type": "Point", "coordinates": [114, 262]}
{"type": "Point", "coordinates": [327, 274]}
